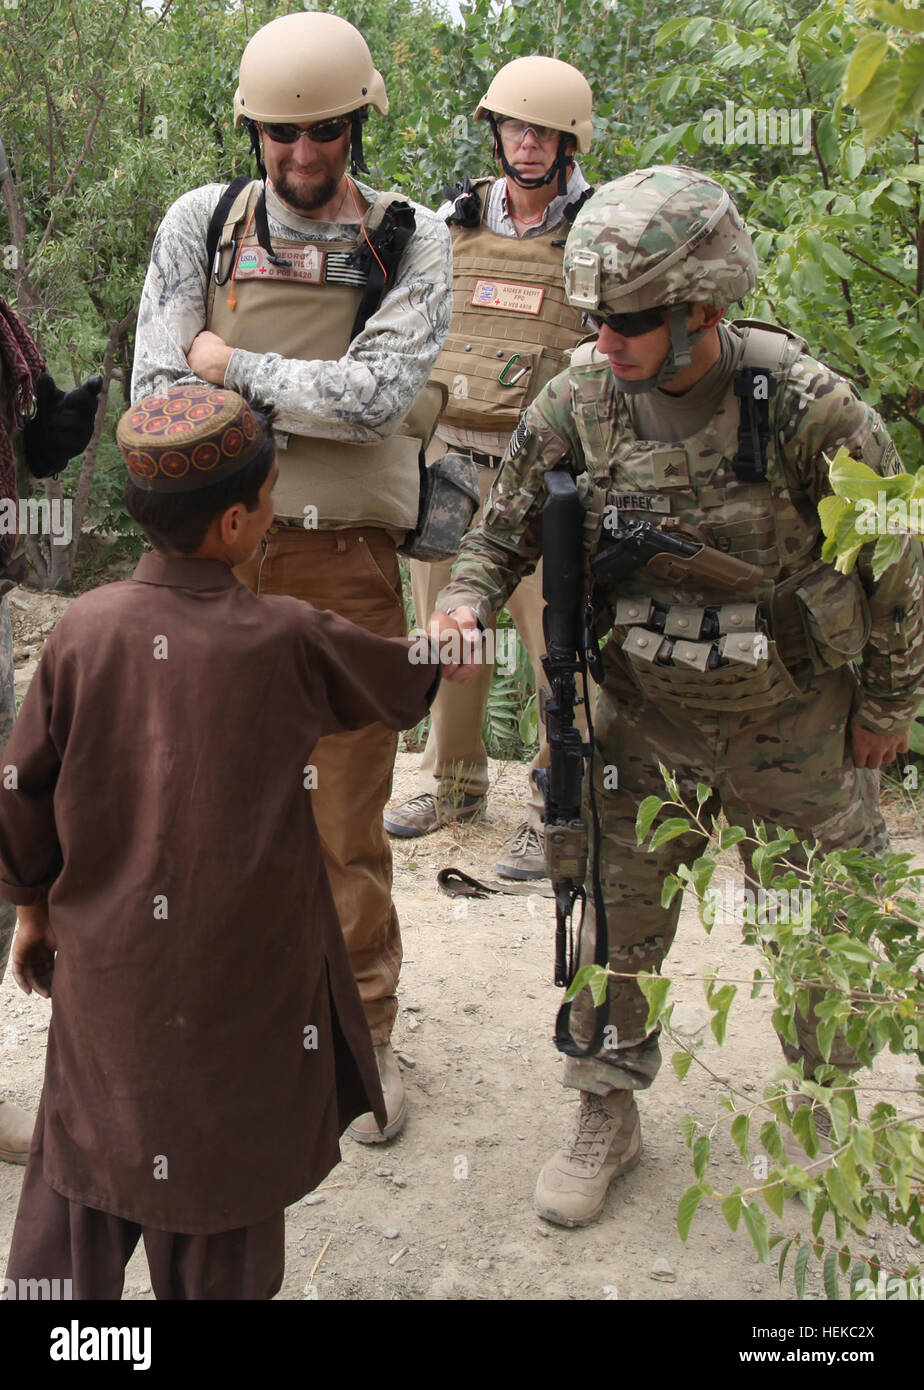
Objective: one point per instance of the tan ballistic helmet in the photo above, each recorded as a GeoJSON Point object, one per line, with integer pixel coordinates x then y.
{"type": "Point", "coordinates": [307, 67]}
{"type": "Point", "coordinates": [544, 90]}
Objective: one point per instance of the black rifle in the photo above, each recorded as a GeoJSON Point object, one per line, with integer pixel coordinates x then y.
{"type": "Point", "coordinates": [561, 783]}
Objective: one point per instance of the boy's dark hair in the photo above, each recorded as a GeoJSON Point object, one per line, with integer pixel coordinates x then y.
{"type": "Point", "coordinates": [179, 520]}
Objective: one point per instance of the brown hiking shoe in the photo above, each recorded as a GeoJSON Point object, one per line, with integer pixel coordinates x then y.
{"type": "Point", "coordinates": [605, 1143]}
{"type": "Point", "coordinates": [524, 855]}
{"type": "Point", "coordinates": [421, 815]}
{"type": "Point", "coordinates": [365, 1128]}
{"type": "Point", "coordinates": [16, 1126]}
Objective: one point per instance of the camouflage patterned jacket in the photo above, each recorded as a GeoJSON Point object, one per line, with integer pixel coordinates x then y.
{"type": "Point", "coordinates": [582, 423]}
{"type": "Point", "coordinates": [363, 396]}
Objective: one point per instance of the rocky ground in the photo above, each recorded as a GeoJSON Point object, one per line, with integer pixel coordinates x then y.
{"type": "Point", "coordinates": [444, 1212]}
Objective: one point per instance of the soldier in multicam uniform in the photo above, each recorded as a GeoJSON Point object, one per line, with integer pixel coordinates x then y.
{"type": "Point", "coordinates": [749, 691]}
{"type": "Point", "coordinates": [329, 301]}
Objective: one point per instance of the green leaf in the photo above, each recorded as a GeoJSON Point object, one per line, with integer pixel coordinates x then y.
{"type": "Point", "coordinates": [877, 105]}
{"type": "Point", "coordinates": [654, 988]}
{"type": "Point", "coordinates": [854, 160]}
{"type": "Point", "coordinates": [775, 1197]}
{"type": "Point", "coordinates": [672, 27]}
{"type": "Point", "coordinates": [593, 975]}
{"type": "Point", "coordinates": [700, 1154]}
{"type": "Point", "coordinates": [803, 1127]}
{"type": "Point", "coordinates": [887, 552]}
{"type": "Point", "coordinates": [830, 1267]}
{"type": "Point", "coordinates": [782, 1260]}
{"type": "Point", "coordinates": [772, 1141]}
{"type": "Point", "coordinates": [831, 509]}
{"type": "Point", "coordinates": [669, 888]}
{"type": "Point", "coordinates": [864, 64]}
{"type": "Point", "coordinates": [756, 1223]}
{"type": "Point", "coordinates": [902, 16]}
{"type": "Point", "coordinates": [688, 1127]}
{"type": "Point", "coordinates": [863, 1146]}
{"type": "Point", "coordinates": [731, 1209]}
{"type": "Point", "coordinates": [910, 96]}
{"type": "Point", "coordinates": [701, 1150]}
{"type": "Point", "coordinates": [681, 1062]}
{"type": "Point", "coordinates": [841, 1199]}
{"type": "Point", "coordinates": [686, 1209]}
{"type": "Point", "coordinates": [646, 814]}
{"type": "Point", "coordinates": [740, 1130]}
{"type": "Point", "coordinates": [802, 1260]}
{"type": "Point", "coordinates": [669, 830]}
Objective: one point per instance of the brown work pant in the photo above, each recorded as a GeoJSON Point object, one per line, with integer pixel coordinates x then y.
{"type": "Point", "coordinates": [455, 758]}
{"type": "Point", "coordinates": [354, 573]}
{"type": "Point", "coordinates": [57, 1239]}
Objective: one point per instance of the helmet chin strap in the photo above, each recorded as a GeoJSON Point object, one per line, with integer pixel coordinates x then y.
{"type": "Point", "coordinates": [359, 118]}
{"type": "Point", "coordinates": [560, 169]}
{"type": "Point", "coordinates": [679, 355]}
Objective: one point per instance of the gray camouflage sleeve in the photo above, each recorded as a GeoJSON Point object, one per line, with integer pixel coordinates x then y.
{"type": "Point", "coordinates": [362, 396]}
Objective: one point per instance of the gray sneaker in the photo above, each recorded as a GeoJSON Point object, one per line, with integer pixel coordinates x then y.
{"type": "Point", "coordinates": [523, 856]}
{"type": "Point", "coordinates": [421, 815]}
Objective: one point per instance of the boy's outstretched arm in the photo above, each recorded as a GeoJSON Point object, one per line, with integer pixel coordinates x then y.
{"type": "Point", "coordinates": [360, 678]}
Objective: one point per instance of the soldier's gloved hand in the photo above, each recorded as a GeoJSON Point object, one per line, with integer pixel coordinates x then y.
{"type": "Point", "coordinates": [62, 424]}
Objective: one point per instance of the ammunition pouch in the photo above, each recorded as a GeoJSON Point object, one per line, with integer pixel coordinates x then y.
{"type": "Point", "coordinates": [449, 497]}
{"type": "Point", "coordinates": [821, 619]}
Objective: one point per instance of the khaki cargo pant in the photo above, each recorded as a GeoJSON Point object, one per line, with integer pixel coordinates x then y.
{"type": "Point", "coordinates": [353, 572]}
{"type": "Point", "coordinates": [790, 766]}
{"type": "Point", "coordinates": [455, 758]}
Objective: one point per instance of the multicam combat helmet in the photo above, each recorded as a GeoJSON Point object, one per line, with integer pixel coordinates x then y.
{"type": "Point", "coordinates": [666, 237]}
{"type": "Point", "coordinates": [548, 92]}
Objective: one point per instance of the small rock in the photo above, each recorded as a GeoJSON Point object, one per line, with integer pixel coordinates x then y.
{"type": "Point", "coordinates": [390, 1233]}
{"type": "Point", "coordinates": [384, 1172]}
{"type": "Point", "coordinates": [476, 1079]}
{"type": "Point", "coordinates": [413, 1008]}
{"type": "Point", "coordinates": [407, 1061]}
{"type": "Point", "coordinates": [541, 1231]}
{"type": "Point", "coordinates": [756, 1288]}
{"type": "Point", "coordinates": [398, 1182]}
{"type": "Point", "coordinates": [302, 1251]}
{"type": "Point", "coordinates": [747, 1086]}
{"type": "Point", "coordinates": [314, 1200]}
{"type": "Point", "coordinates": [484, 1264]}
{"type": "Point", "coordinates": [661, 1269]}
{"type": "Point", "coordinates": [413, 1023]}
{"type": "Point", "coordinates": [913, 1243]}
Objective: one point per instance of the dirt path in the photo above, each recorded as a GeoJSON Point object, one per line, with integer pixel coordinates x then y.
{"type": "Point", "coordinates": [445, 1211]}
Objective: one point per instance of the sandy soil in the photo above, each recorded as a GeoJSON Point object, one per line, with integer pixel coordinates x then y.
{"type": "Point", "coordinates": [445, 1211]}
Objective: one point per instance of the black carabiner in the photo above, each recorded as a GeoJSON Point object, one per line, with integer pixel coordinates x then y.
{"type": "Point", "coordinates": [227, 276]}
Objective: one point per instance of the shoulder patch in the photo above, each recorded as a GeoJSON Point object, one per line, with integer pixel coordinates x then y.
{"type": "Point", "coordinates": [519, 438]}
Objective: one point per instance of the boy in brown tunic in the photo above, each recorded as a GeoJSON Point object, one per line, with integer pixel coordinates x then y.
{"type": "Point", "coordinates": [207, 1045]}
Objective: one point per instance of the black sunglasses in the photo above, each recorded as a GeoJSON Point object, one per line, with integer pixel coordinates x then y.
{"type": "Point", "coordinates": [323, 132]}
{"type": "Point", "coordinates": [629, 325]}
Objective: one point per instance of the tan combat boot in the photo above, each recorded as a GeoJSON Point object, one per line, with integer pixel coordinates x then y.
{"type": "Point", "coordinates": [16, 1126]}
{"type": "Point", "coordinates": [606, 1142]}
{"type": "Point", "coordinates": [365, 1128]}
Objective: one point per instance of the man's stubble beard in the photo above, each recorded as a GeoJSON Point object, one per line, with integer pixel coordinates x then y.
{"type": "Point", "coordinates": [307, 199]}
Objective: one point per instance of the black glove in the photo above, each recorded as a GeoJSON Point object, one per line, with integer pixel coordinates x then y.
{"type": "Point", "coordinates": [62, 425]}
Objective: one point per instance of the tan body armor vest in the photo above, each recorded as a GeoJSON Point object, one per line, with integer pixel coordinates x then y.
{"type": "Point", "coordinates": [801, 619]}
{"type": "Point", "coordinates": [511, 324]}
{"type": "Point", "coordinates": [307, 311]}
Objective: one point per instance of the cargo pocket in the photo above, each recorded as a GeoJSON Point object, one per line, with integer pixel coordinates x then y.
{"type": "Point", "coordinates": [491, 383]}
{"type": "Point", "coordinates": [835, 616]}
